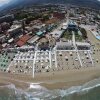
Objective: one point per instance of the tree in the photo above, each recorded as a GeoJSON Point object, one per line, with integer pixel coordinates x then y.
{"type": "Point", "coordinates": [84, 33]}
{"type": "Point", "coordinates": [71, 15]}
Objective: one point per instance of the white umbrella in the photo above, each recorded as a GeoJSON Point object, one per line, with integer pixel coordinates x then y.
{"type": "Point", "coordinates": [25, 64]}
{"type": "Point", "coordinates": [42, 64]}
{"type": "Point", "coordinates": [15, 63]}
{"type": "Point", "coordinates": [42, 58]}
{"type": "Point", "coordinates": [47, 67]}
{"type": "Point", "coordinates": [66, 57]}
{"type": "Point", "coordinates": [46, 50]}
{"type": "Point", "coordinates": [13, 71]}
{"type": "Point", "coordinates": [71, 53]}
{"type": "Point", "coordinates": [53, 60]}
{"type": "Point", "coordinates": [37, 61]}
{"type": "Point", "coordinates": [60, 53]}
{"type": "Point", "coordinates": [31, 57]}
{"type": "Point", "coordinates": [46, 60]}
{"type": "Point", "coordinates": [26, 61]}
{"type": "Point", "coordinates": [82, 58]}
{"type": "Point", "coordinates": [87, 56]}
{"type": "Point", "coordinates": [85, 52]}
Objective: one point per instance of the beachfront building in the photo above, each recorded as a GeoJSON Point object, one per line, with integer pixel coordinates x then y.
{"type": "Point", "coordinates": [83, 46]}
{"type": "Point", "coordinates": [40, 33]}
{"type": "Point", "coordinates": [72, 26]}
{"type": "Point", "coordinates": [14, 31]}
{"type": "Point", "coordinates": [23, 39]}
{"type": "Point", "coordinates": [7, 18]}
{"type": "Point", "coordinates": [64, 45]}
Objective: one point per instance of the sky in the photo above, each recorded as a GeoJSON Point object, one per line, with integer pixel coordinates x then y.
{"type": "Point", "coordinates": [3, 2]}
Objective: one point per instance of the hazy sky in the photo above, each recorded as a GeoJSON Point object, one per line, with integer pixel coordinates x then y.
{"type": "Point", "coordinates": [3, 2]}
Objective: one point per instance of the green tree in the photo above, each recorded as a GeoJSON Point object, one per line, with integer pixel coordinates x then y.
{"type": "Point", "coordinates": [84, 33]}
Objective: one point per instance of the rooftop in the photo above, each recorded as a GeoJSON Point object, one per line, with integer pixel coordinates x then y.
{"type": "Point", "coordinates": [23, 40]}
{"type": "Point", "coordinates": [40, 33]}
{"type": "Point", "coordinates": [13, 27]}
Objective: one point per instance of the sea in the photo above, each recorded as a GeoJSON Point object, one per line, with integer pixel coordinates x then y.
{"type": "Point", "coordinates": [88, 91]}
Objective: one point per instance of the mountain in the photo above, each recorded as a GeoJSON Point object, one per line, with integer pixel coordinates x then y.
{"type": "Point", "coordinates": [86, 3]}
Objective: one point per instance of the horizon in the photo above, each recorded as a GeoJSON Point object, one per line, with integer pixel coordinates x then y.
{"type": "Point", "coordinates": [4, 2]}
{"type": "Point", "coordinates": [7, 2]}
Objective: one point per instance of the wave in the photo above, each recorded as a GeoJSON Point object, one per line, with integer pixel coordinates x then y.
{"type": "Point", "coordinates": [80, 89]}
{"type": "Point", "coordinates": [37, 92]}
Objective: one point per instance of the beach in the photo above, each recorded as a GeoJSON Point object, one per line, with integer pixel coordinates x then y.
{"type": "Point", "coordinates": [56, 80]}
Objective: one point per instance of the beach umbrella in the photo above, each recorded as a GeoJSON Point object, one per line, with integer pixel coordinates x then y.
{"type": "Point", "coordinates": [46, 60]}
{"type": "Point", "coordinates": [18, 61]}
{"type": "Point", "coordinates": [60, 53]}
{"type": "Point", "coordinates": [31, 57]}
{"type": "Point", "coordinates": [85, 53]}
{"type": "Point", "coordinates": [25, 64]}
{"type": "Point", "coordinates": [41, 60]}
{"type": "Point", "coordinates": [76, 59]}
{"type": "Point", "coordinates": [13, 71]}
{"type": "Point", "coordinates": [87, 57]}
{"type": "Point", "coordinates": [53, 60]}
{"type": "Point", "coordinates": [26, 61]}
{"type": "Point", "coordinates": [15, 63]}
{"type": "Point", "coordinates": [37, 61]}
{"type": "Point", "coordinates": [47, 67]}
{"type": "Point", "coordinates": [97, 60]}
{"type": "Point", "coordinates": [18, 52]}
{"type": "Point", "coordinates": [47, 57]}
{"type": "Point", "coordinates": [66, 57]}
{"type": "Point", "coordinates": [47, 50]}
{"type": "Point", "coordinates": [37, 58]}
{"type": "Point", "coordinates": [46, 53]}
{"type": "Point", "coordinates": [71, 53]}
{"type": "Point", "coordinates": [42, 64]}
{"type": "Point", "coordinates": [82, 58]}
{"type": "Point", "coordinates": [19, 57]}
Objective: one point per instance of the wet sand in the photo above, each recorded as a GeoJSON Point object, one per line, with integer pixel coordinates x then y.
{"type": "Point", "coordinates": [56, 80]}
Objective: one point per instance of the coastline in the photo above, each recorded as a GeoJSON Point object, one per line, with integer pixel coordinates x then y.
{"type": "Point", "coordinates": [57, 80]}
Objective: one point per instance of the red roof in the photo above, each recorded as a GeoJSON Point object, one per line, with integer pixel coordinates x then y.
{"type": "Point", "coordinates": [23, 40]}
{"type": "Point", "coordinates": [20, 43]}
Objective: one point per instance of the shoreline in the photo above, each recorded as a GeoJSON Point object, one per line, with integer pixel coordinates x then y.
{"type": "Point", "coordinates": [51, 81]}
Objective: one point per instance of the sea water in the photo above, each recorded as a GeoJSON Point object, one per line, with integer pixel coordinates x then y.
{"type": "Point", "coordinates": [88, 91]}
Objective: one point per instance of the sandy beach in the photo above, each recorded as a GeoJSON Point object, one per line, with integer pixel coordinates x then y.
{"type": "Point", "coordinates": [56, 80]}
